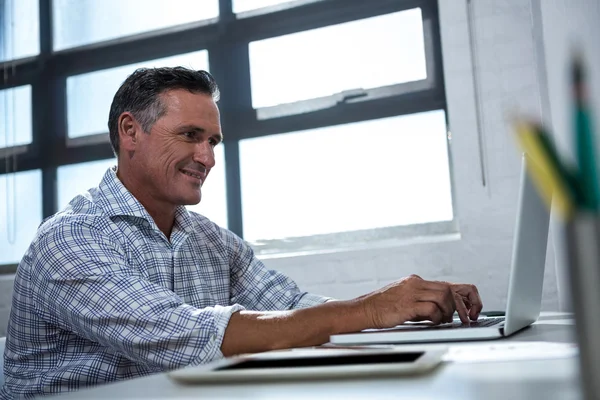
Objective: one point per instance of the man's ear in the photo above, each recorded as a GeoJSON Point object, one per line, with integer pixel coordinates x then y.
{"type": "Point", "coordinates": [129, 131]}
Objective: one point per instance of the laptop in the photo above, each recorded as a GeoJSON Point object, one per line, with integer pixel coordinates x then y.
{"type": "Point", "coordinates": [524, 289]}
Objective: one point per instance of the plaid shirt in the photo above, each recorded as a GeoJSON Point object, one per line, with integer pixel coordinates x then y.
{"type": "Point", "coordinates": [102, 295]}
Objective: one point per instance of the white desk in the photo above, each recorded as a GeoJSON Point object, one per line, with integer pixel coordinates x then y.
{"type": "Point", "coordinates": [533, 379]}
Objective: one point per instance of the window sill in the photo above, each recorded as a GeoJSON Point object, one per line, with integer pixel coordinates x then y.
{"type": "Point", "coordinates": [381, 238]}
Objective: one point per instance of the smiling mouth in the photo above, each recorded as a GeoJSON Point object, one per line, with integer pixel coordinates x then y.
{"type": "Point", "coordinates": [198, 176]}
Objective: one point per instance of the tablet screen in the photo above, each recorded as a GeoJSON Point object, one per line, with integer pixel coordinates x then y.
{"type": "Point", "coordinates": [323, 361]}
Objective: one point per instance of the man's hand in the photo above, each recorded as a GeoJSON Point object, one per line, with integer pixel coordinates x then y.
{"type": "Point", "coordinates": [467, 300]}
{"type": "Point", "coordinates": [415, 299]}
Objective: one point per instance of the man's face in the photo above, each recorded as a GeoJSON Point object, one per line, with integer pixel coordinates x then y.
{"type": "Point", "coordinates": [173, 161]}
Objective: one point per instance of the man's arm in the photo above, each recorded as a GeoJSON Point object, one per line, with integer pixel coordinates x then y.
{"type": "Point", "coordinates": [256, 331]}
{"type": "Point", "coordinates": [257, 288]}
{"type": "Point", "coordinates": [410, 299]}
{"type": "Point", "coordinates": [81, 282]}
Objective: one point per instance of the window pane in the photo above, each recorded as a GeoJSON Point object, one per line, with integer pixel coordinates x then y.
{"type": "Point", "coordinates": [20, 213]}
{"type": "Point", "coordinates": [89, 95]}
{"type": "Point", "coordinates": [19, 29]}
{"type": "Point", "coordinates": [81, 22]}
{"type": "Point", "coordinates": [368, 53]}
{"type": "Point", "coordinates": [247, 5]}
{"type": "Point", "coordinates": [15, 112]}
{"type": "Point", "coordinates": [379, 173]}
{"type": "Point", "coordinates": [78, 178]}
{"type": "Point", "coordinates": [214, 195]}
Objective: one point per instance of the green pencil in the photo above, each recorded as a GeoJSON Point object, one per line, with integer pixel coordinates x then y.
{"type": "Point", "coordinates": [567, 174]}
{"type": "Point", "coordinates": [584, 139]}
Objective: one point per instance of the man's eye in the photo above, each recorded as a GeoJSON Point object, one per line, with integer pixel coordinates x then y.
{"type": "Point", "coordinates": [213, 142]}
{"type": "Point", "coordinates": [189, 135]}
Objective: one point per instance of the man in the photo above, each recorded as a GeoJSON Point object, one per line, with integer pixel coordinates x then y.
{"type": "Point", "coordinates": [126, 282]}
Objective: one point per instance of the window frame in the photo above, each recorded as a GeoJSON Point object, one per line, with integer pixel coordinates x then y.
{"type": "Point", "coordinates": [226, 39]}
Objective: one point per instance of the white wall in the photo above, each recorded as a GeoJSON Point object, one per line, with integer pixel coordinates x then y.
{"type": "Point", "coordinates": [505, 67]}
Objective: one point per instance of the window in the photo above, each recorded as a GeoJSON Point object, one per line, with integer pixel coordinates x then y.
{"type": "Point", "coordinates": [213, 204]}
{"type": "Point", "coordinates": [15, 107]}
{"type": "Point", "coordinates": [372, 174]}
{"type": "Point", "coordinates": [88, 114]}
{"type": "Point", "coordinates": [240, 6]}
{"type": "Point", "coordinates": [80, 22]}
{"type": "Point", "coordinates": [19, 29]}
{"type": "Point", "coordinates": [20, 213]}
{"type": "Point", "coordinates": [363, 54]}
{"type": "Point", "coordinates": [75, 179]}
{"type": "Point", "coordinates": [333, 117]}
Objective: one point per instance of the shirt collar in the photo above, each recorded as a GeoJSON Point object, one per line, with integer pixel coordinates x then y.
{"type": "Point", "coordinates": [116, 200]}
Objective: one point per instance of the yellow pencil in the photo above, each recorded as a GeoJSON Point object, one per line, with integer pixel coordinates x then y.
{"type": "Point", "coordinates": [546, 176]}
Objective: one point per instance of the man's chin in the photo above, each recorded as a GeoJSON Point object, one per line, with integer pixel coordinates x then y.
{"type": "Point", "coordinates": [193, 201]}
{"type": "Point", "coordinates": [188, 200]}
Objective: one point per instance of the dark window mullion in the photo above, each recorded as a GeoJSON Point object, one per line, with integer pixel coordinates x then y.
{"type": "Point", "coordinates": [82, 154]}
{"type": "Point", "coordinates": [433, 46]}
{"type": "Point", "coordinates": [230, 65]}
{"type": "Point", "coordinates": [125, 51]}
{"type": "Point", "coordinates": [233, 185]}
{"type": "Point", "coordinates": [432, 36]}
{"type": "Point", "coordinates": [49, 192]}
{"type": "Point", "coordinates": [345, 113]}
{"type": "Point", "coordinates": [316, 15]}
{"type": "Point", "coordinates": [226, 10]}
{"type": "Point", "coordinates": [46, 34]}
{"type": "Point", "coordinates": [48, 113]}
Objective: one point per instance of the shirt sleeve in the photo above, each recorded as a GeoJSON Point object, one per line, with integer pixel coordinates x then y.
{"type": "Point", "coordinates": [81, 282]}
{"type": "Point", "coordinates": [257, 288]}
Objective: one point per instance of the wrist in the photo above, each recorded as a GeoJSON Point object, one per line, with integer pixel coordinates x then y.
{"type": "Point", "coordinates": [350, 315]}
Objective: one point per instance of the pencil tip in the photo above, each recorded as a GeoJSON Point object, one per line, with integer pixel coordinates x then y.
{"type": "Point", "coordinates": [577, 69]}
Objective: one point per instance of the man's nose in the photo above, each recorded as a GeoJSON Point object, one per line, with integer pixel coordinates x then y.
{"type": "Point", "coordinates": [204, 153]}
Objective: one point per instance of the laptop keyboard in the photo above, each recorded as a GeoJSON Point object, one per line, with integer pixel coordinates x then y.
{"type": "Point", "coordinates": [480, 323]}
{"type": "Point", "coordinates": [487, 322]}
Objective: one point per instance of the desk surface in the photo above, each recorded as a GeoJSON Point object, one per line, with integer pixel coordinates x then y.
{"type": "Point", "coordinates": [532, 379]}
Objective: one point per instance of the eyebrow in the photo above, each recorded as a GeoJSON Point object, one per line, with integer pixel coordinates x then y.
{"type": "Point", "coordinates": [186, 128]}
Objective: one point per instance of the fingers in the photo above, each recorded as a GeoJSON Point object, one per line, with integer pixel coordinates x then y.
{"type": "Point", "coordinates": [427, 311]}
{"type": "Point", "coordinates": [461, 308]}
{"type": "Point", "coordinates": [447, 303]}
{"type": "Point", "coordinates": [476, 307]}
{"type": "Point", "coordinates": [464, 298]}
{"type": "Point", "coordinates": [444, 300]}
{"type": "Point", "coordinates": [471, 293]}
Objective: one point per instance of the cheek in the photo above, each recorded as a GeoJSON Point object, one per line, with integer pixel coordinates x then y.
{"type": "Point", "coordinates": [170, 157]}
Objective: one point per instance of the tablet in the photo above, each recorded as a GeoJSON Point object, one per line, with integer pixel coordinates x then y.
{"type": "Point", "coordinates": [317, 363]}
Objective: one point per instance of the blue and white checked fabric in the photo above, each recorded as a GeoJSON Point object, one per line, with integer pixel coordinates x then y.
{"type": "Point", "coordinates": [102, 295]}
